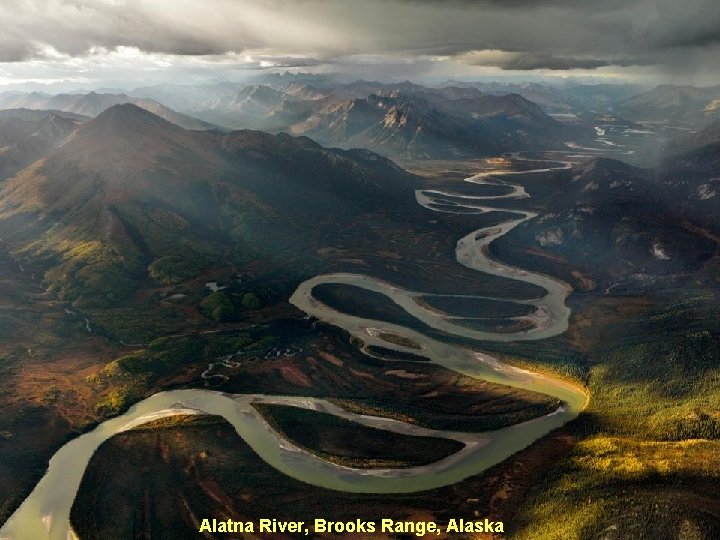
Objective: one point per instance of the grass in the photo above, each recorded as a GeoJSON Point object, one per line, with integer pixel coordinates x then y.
{"type": "Point", "coordinates": [129, 378]}
{"type": "Point", "coordinates": [440, 413]}
{"type": "Point", "coordinates": [134, 325]}
{"type": "Point", "coordinates": [399, 340]}
{"type": "Point", "coordinates": [648, 461]}
{"type": "Point", "coordinates": [173, 269]}
{"type": "Point", "coordinates": [668, 390]}
{"type": "Point", "coordinates": [218, 306]}
{"type": "Point", "coordinates": [618, 487]}
{"type": "Point", "coordinates": [354, 445]}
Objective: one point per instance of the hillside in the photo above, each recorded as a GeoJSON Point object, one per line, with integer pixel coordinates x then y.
{"type": "Point", "coordinates": [26, 136]}
{"type": "Point", "coordinates": [614, 222]}
{"type": "Point", "coordinates": [691, 173]}
{"type": "Point", "coordinates": [707, 135]}
{"type": "Point", "coordinates": [131, 188]}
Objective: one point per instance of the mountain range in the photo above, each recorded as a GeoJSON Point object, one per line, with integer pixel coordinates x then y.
{"type": "Point", "coordinates": [403, 120]}
{"type": "Point", "coordinates": [434, 127]}
{"type": "Point", "coordinates": [92, 104]}
{"type": "Point", "coordinates": [673, 103]}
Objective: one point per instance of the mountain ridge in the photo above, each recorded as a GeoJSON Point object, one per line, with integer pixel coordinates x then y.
{"type": "Point", "coordinates": [93, 103]}
{"type": "Point", "coordinates": [130, 188]}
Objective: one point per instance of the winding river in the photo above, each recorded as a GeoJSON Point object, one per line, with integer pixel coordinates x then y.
{"type": "Point", "coordinates": [45, 512]}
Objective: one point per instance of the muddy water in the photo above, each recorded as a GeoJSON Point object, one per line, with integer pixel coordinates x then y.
{"type": "Point", "coordinates": [45, 513]}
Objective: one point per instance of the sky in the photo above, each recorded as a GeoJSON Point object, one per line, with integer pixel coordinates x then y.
{"type": "Point", "coordinates": [129, 43]}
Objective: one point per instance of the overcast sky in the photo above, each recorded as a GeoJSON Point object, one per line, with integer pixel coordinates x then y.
{"type": "Point", "coordinates": [91, 43]}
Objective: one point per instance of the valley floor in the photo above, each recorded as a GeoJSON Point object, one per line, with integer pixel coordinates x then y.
{"type": "Point", "coordinates": [640, 461]}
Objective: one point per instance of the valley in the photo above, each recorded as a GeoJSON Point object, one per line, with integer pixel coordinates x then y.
{"type": "Point", "coordinates": [498, 311]}
{"type": "Point", "coordinates": [501, 444]}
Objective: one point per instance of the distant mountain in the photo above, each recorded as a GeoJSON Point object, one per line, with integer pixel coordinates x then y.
{"type": "Point", "coordinates": [258, 107]}
{"type": "Point", "coordinates": [282, 100]}
{"type": "Point", "coordinates": [396, 125]}
{"type": "Point", "coordinates": [251, 100]}
{"type": "Point", "coordinates": [131, 188]}
{"type": "Point", "coordinates": [92, 104]}
{"type": "Point", "coordinates": [363, 89]}
{"type": "Point", "coordinates": [554, 99]}
{"type": "Point", "coordinates": [600, 97]}
{"type": "Point", "coordinates": [431, 125]}
{"type": "Point", "coordinates": [280, 80]}
{"type": "Point", "coordinates": [38, 114]}
{"type": "Point", "coordinates": [237, 106]}
{"type": "Point", "coordinates": [185, 98]}
{"type": "Point", "coordinates": [26, 136]}
{"type": "Point", "coordinates": [305, 92]}
{"type": "Point", "coordinates": [279, 108]}
{"type": "Point", "coordinates": [669, 102]}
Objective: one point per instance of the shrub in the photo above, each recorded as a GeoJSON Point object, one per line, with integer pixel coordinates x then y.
{"type": "Point", "coordinates": [173, 269]}
{"type": "Point", "coordinates": [218, 306]}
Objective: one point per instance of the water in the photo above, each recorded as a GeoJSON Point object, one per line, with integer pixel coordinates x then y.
{"type": "Point", "coordinates": [45, 513]}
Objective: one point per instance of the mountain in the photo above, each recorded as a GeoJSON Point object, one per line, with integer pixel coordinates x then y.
{"type": "Point", "coordinates": [433, 126]}
{"type": "Point", "coordinates": [26, 136]}
{"type": "Point", "coordinates": [174, 117]}
{"type": "Point", "coordinates": [92, 104]}
{"type": "Point", "coordinates": [185, 98]}
{"type": "Point", "coordinates": [512, 109]}
{"type": "Point", "coordinates": [399, 125]}
{"type": "Point", "coordinates": [259, 107]}
{"type": "Point", "coordinates": [251, 100]}
{"type": "Point", "coordinates": [130, 189]}
{"type": "Point", "coordinates": [305, 91]}
{"type": "Point", "coordinates": [363, 89]}
{"type": "Point", "coordinates": [239, 107]}
{"type": "Point", "coordinates": [33, 115]}
{"type": "Point", "coordinates": [670, 102]}
{"type": "Point", "coordinates": [554, 99]}
{"type": "Point", "coordinates": [600, 97]}
{"type": "Point", "coordinates": [281, 108]}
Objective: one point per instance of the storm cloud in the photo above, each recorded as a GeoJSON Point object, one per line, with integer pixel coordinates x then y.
{"type": "Point", "coordinates": [512, 35]}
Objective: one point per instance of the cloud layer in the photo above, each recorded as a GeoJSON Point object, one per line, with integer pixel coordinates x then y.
{"type": "Point", "coordinates": [674, 37]}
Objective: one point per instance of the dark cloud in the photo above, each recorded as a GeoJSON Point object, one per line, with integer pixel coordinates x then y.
{"type": "Point", "coordinates": [547, 61]}
{"type": "Point", "coordinates": [286, 62]}
{"type": "Point", "coordinates": [532, 61]}
{"type": "Point", "coordinates": [531, 34]}
{"type": "Point", "coordinates": [695, 37]}
{"type": "Point", "coordinates": [15, 50]}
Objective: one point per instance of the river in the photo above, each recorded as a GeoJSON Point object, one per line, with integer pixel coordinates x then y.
{"type": "Point", "coordinates": [45, 512]}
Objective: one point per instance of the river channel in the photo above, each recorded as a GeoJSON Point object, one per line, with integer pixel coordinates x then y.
{"type": "Point", "coordinates": [45, 512]}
